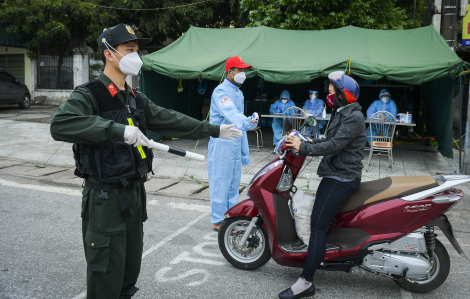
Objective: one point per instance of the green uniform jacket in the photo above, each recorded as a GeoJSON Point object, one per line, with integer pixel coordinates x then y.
{"type": "Point", "coordinates": [76, 121]}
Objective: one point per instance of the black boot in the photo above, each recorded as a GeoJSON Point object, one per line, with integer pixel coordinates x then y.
{"type": "Point", "coordinates": [288, 294]}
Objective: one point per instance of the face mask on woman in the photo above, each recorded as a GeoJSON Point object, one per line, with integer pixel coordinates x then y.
{"type": "Point", "coordinates": [329, 100]}
{"type": "Point", "coordinates": [313, 97]}
{"type": "Point", "coordinates": [284, 101]}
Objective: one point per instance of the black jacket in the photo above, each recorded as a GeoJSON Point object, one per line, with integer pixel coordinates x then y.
{"type": "Point", "coordinates": [343, 147]}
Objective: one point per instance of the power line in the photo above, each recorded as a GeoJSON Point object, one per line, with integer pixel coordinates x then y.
{"type": "Point", "coordinates": [157, 8]}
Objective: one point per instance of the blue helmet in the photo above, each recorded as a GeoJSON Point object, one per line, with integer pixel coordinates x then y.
{"type": "Point", "coordinates": [346, 84]}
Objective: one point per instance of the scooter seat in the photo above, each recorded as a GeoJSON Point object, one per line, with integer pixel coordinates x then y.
{"type": "Point", "coordinates": [385, 189]}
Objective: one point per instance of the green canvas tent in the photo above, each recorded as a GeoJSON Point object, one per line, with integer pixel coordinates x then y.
{"type": "Point", "coordinates": [412, 57]}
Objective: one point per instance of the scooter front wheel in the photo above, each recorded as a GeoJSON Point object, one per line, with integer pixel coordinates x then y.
{"type": "Point", "coordinates": [249, 256]}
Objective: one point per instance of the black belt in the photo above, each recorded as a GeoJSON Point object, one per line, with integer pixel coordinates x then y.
{"type": "Point", "coordinates": [122, 186]}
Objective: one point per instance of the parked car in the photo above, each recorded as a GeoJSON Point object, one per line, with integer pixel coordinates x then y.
{"type": "Point", "coordinates": [12, 91]}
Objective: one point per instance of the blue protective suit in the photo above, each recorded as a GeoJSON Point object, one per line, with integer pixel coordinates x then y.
{"type": "Point", "coordinates": [279, 107]}
{"type": "Point", "coordinates": [227, 156]}
{"type": "Point", "coordinates": [378, 105]}
{"type": "Point", "coordinates": [314, 107]}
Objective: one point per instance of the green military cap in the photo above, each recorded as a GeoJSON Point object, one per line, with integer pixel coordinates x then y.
{"type": "Point", "coordinates": [117, 35]}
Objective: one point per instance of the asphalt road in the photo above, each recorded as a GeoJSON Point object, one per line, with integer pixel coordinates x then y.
{"type": "Point", "coordinates": [41, 253]}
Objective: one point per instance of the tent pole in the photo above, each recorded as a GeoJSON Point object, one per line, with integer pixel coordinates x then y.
{"type": "Point", "coordinates": [261, 102]}
{"type": "Point", "coordinates": [460, 126]}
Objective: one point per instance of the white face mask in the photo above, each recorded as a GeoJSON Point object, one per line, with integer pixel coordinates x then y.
{"type": "Point", "coordinates": [129, 64]}
{"type": "Point", "coordinates": [284, 101]}
{"type": "Point", "coordinates": [313, 97]}
{"type": "Point", "coordinates": [239, 78]}
{"type": "Point", "coordinates": [385, 99]}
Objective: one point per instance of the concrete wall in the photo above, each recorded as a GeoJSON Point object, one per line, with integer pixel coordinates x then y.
{"type": "Point", "coordinates": [81, 70]}
{"type": "Point", "coordinates": [54, 96]}
{"type": "Point", "coordinates": [27, 63]}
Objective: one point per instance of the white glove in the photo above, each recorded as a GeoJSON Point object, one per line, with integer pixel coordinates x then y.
{"type": "Point", "coordinates": [133, 136]}
{"type": "Point", "coordinates": [228, 132]}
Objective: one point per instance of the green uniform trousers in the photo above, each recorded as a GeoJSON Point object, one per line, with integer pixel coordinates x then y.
{"type": "Point", "coordinates": [113, 250]}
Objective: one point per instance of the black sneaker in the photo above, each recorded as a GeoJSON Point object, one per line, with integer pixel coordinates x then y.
{"type": "Point", "coordinates": [288, 294]}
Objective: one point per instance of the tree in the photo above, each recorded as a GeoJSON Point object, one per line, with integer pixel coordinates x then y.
{"type": "Point", "coordinates": [59, 21]}
{"type": "Point", "coordinates": [165, 23]}
{"type": "Point", "coordinates": [320, 14]}
{"type": "Point", "coordinates": [49, 22]}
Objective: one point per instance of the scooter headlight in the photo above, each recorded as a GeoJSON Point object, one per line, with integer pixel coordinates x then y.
{"type": "Point", "coordinates": [286, 181]}
{"type": "Point", "coordinates": [263, 171]}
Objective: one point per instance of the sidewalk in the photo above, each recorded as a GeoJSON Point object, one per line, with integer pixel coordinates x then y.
{"type": "Point", "coordinates": [28, 143]}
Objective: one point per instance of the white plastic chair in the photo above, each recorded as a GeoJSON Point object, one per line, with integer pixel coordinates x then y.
{"type": "Point", "coordinates": [259, 137]}
{"type": "Point", "coordinates": [381, 144]}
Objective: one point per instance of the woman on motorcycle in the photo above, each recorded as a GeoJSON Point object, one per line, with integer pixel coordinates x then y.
{"type": "Point", "coordinates": [340, 169]}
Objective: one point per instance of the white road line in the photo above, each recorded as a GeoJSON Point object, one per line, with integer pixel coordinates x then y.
{"type": "Point", "coordinates": [73, 192]}
{"type": "Point", "coordinates": [173, 235]}
{"type": "Point", "coordinates": [50, 189]}
{"type": "Point", "coordinates": [189, 207]}
{"type": "Point", "coordinates": [406, 294]}
{"type": "Point", "coordinates": [80, 296]}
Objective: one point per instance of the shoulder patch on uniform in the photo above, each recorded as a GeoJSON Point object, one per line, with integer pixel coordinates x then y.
{"type": "Point", "coordinates": [112, 89]}
{"type": "Point", "coordinates": [227, 101]}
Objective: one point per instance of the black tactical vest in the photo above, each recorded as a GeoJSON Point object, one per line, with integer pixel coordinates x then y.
{"type": "Point", "coordinates": [115, 161]}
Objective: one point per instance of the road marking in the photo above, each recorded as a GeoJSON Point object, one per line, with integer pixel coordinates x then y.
{"type": "Point", "coordinates": [160, 276]}
{"type": "Point", "coordinates": [406, 294]}
{"type": "Point", "coordinates": [80, 296]}
{"type": "Point", "coordinates": [172, 236]}
{"type": "Point", "coordinates": [74, 192]}
{"type": "Point", "coordinates": [199, 249]}
{"type": "Point", "coordinates": [189, 207]}
{"type": "Point", "coordinates": [184, 256]}
{"type": "Point", "coordinates": [162, 272]}
{"type": "Point", "coordinates": [50, 189]}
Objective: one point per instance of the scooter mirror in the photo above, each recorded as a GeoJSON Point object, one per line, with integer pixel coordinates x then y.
{"type": "Point", "coordinates": [287, 125]}
{"type": "Point", "coordinates": [311, 121]}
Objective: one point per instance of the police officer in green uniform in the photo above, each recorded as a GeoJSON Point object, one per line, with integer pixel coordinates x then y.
{"type": "Point", "coordinates": [106, 121]}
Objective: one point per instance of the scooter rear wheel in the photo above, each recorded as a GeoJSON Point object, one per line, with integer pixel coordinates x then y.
{"type": "Point", "coordinates": [438, 274]}
{"type": "Point", "coordinates": [253, 254]}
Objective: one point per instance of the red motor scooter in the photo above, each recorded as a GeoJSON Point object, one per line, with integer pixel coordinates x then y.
{"type": "Point", "coordinates": [386, 227]}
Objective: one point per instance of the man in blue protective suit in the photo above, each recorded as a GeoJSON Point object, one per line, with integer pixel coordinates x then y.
{"type": "Point", "coordinates": [226, 157]}
{"type": "Point", "coordinates": [384, 104]}
{"type": "Point", "coordinates": [315, 107]}
{"type": "Point", "coordinates": [279, 107]}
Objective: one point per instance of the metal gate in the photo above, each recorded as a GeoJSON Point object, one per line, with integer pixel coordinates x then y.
{"type": "Point", "coordinates": [14, 64]}
{"type": "Point", "coordinates": [49, 75]}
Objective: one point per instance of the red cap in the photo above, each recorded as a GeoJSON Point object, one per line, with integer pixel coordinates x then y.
{"type": "Point", "coordinates": [236, 61]}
